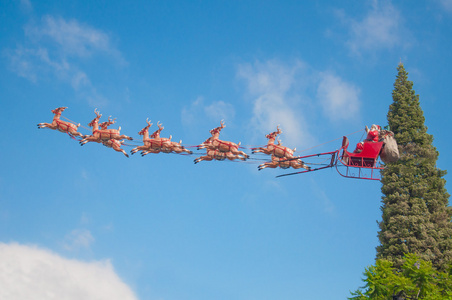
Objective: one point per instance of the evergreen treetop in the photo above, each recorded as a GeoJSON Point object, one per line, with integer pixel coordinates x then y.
{"type": "Point", "coordinates": [416, 213]}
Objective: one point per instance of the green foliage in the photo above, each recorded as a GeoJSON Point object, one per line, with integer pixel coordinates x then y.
{"type": "Point", "coordinates": [416, 217]}
{"type": "Point", "coordinates": [417, 279]}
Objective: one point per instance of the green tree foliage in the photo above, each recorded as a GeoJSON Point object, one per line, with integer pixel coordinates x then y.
{"type": "Point", "coordinates": [416, 279]}
{"type": "Point", "coordinates": [416, 213]}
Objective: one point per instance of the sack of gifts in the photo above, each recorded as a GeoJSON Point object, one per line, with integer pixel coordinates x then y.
{"type": "Point", "coordinates": [390, 151]}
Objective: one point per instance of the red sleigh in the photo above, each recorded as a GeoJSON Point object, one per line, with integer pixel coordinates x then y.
{"type": "Point", "coordinates": [364, 165]}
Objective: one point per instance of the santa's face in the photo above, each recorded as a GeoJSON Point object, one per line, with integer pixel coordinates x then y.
{"type": "Point", "coordinates": [373, 127]}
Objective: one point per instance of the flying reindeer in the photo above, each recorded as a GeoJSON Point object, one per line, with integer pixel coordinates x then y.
{"type": "Point", "coordinates": [62, 126]}
{"type": "Point", "coordinates": [223, 146]}
{"type": "Point", "coordinates": [100, 135]}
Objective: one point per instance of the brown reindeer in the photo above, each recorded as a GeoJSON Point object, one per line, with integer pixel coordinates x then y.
{"type": "Point", "coordinates": [218, 155]}
{"type": "Point", "coordinates": [275, 149]}
{"type": "Point", "coordinates": [104, 125]}
{"type": "Point", "coordinates": [224, 146]}
{"type": "Point", "coordinates": [60, 125]}
{"type": "Point", "coordinates": [156, 144]}
{"type": "Point", "coordinates": [165, 145]}
{"type": "Point", "coordinates": [102, 134]}
{"type": "Point", "coordinates": [111, 143]}
{"type": "Point", "coordinates": [146, 140]}
{"type": "Point", "coordinates": [215, 154]}
{"type": "Point", "coordinates": [284, 163]}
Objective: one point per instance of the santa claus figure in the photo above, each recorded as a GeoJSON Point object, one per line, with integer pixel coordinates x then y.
{"type": "Point", "coordinates": [359, 147]}
{"type": "Point", "coordinates": [373, 134]}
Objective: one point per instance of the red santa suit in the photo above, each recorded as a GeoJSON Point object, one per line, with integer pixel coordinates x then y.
{"type": "Point", "coordinates": [373, 133]}
{"type": "Point", "coordinates": [359, 147]}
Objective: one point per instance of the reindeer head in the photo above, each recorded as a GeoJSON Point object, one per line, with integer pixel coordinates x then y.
{"type": "Point", "coordinates": [145, 129]}
{"type": "Point", "coordinates": [96, 119]}
{"type": "Point", "coordinates": [156, 134]}
{"type": "Point", "coordinates": [58, 110]}
{"type": "Point", "coordinates": [274, 134]}
{"type": "Point", "coordinates": [217, 129]}
{"type": "Point", "coordinates": [104, 125]}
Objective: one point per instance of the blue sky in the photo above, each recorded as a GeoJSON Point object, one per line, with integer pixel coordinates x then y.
{"type": "Point", "coordinates": [87, 222]}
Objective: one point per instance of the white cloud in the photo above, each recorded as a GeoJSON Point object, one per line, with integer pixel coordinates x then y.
{"type": "Point", "coordinates": [78, 239]}
{"type": "Point", "coordinates": [339, 99]}
{"type": "Point", "coordinates": [381, 28]}
{"type": "Point", "coordinates": [59, 47]}
{"type": "Point", "coordinates": [280, 95]}
{"type": "Point", "coordinates": [220, 110]}
{"type": "Point", "coordinates": [72, 38]}
{"type": "Point", "coordinates": [446, 4]}
{"type": "Point", "coordinates": [273, 89]}
{"type": "Point", "coordinates": [214, 111]}
{"type": "Point", "coordinates": [28, 272]}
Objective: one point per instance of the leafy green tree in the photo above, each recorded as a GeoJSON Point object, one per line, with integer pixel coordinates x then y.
{"type": "Point", "coordinates": [416, 216]}
{"type": "Point", "coordinates": [416, 279]}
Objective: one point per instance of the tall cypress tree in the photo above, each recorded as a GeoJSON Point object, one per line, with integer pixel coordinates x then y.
{"type": "Point", "coordinates": [416, 213]}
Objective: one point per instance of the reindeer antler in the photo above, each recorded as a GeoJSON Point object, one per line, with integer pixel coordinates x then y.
{"type": "Point", "coordinates": [58, 110]}
{"type": "Point", "coordinates": [149, 122]}
{"type": "Point", "coordinates": [222, 124]}
{"type": "Point", "coordinates": [278, 130]}
{"type": "Point", "coordinates": [160, 125]}
{"type": "Point", "coordinates": [97, 113]}
{"type": "Point", "coordinates": [110, 121]}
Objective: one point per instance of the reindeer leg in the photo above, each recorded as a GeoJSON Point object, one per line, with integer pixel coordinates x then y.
{"type": "Point", "coordinates": [262, 166]}
{"type": "Point", "coordinates": [47, 125]}
{"type": "Point", "coordinates": [87, 139]}
{"type": "Point", "coordinates": [76, 133]}
{"type": "Point", "coordinates": [246, 156]}
{"type": "Point", "coordinates": [256, 150]}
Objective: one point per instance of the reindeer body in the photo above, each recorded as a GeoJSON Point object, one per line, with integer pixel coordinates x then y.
{"type": "Point", "coordinates": [62, 126]}
{"type": "Point", "coordinates": [284, 163]}
{"type": "Point", "coordinates": [216, 154]}
{"type": "Point", "coordinates": [275, 149]}
{"type": "Point", "coordinates": [103, 134]}
{"type": "Point", "coordinates": [156, 144]}
{"type": "Point", "coordinates": [214, 143]}
{"type": "Point", "coordinates": [115, 145]}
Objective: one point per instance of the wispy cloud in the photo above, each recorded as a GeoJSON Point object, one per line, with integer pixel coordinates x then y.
{"type": "Point", "coordinates": [213, 111]}
{"type": "Point", "coordinates": [339, 99]}
{"type": "Point", "coordinates": [272, 86]}
{"type": "Point", "coordinates": [57, 48]}
{"type": "Point", "coordinates": [78, 239]}
{"type": "Point", "coordinates": [381, 28]}
{"type": "Point", "coordinates": [446, 4]}
{"type": "Point", "coordinates": [26, 6]}
{"type": "Point", "coordinates": [29, 272]}
{"type": "Point", "coordinates": [72, 38]}
{"type": "Point", "coordinates": [293, 95]}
